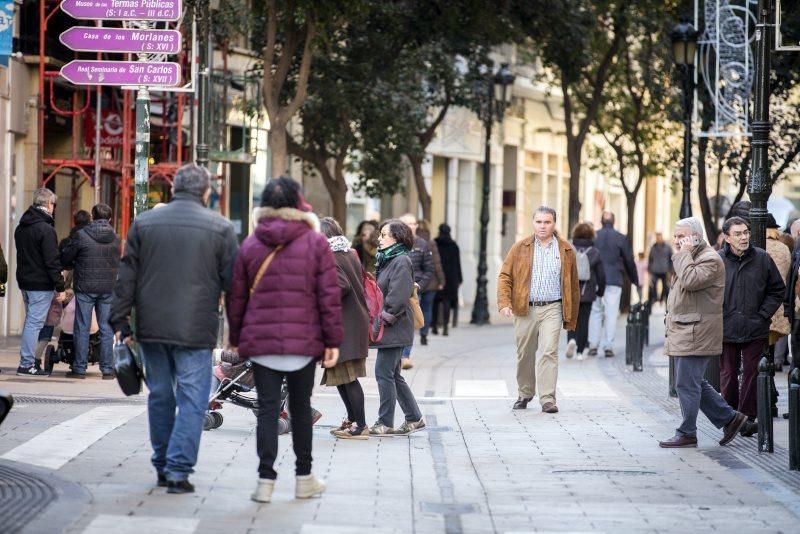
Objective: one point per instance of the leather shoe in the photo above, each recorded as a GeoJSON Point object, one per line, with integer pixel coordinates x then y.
{"type": "Point", "coordinates": [750, 428]}
{"type": "Point", "coordinates": [162, 480]}
{"type": "Point", "coordinates": [522, 403]}
{"type": "Point", "coordinates": [678, 441]}
{"type": "Point", "coordinates": [549, 407]}
{"type": "Point", "coordinates": [732, 428]}
{"type": "Point", "coordinates": [179, 486]}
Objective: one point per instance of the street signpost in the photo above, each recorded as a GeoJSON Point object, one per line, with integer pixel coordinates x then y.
{"type": "Point", "coordinates": [93, 39]}
{"type": "Point", "coordinates": [149, 73]}
{"type": "Point", "coordinates": [150, 10]}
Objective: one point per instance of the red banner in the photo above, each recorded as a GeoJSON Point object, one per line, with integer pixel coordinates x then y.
{"type": "Point", "coordinates": [110, 129]}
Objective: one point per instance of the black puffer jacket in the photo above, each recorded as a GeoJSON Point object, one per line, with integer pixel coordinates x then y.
{"type": "Point", "coordinates": [596, 286]}
{"type": "Point", "coordinates": [93, 253]}
{"type": "Point", "coordinates": [178, 259]}
{"type": "Point", "coordinates": [38, 266]}
{"type": "Point", "coordinates": [754, 290]}
{"type": "Point", "coordinates": [422, 261]}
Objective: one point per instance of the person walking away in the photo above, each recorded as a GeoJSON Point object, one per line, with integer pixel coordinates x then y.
{"type": "Point", "coordinates": [424, 272]}
{"type": "Point", "coordinates": [754, 290]}
{"type": "Point", "coordinates": [453, 278]}
{"type": "Point", "coordinates": [93, 253]}
{"type": "Point", "coordinates": [365, 244]}
{"type": "Point", "coordinates": [592, 283]}
{"type": "Point", "coordinates": [178, 260]}
{"type": "Point", "coordinates": [538, 285]}
{"type": "Point", "coordinates": [779, 325]}
{"type": "Point", "coordinates": [617, 255]}
{"type": "Point", "coordinates": [659, 265]}
{"type": "Point", "coordinates": [352, 363]}
{"type": "Point", "coordinates": [694, 334]}
{"type": "Point", "coordinates": [38, 274]}
{"type": "Point", "coordinates": [791, 302]}
{"type": "Point", "coordinates": [285, 315]}
{"type": "Point", "coordinates": [435, 285]}
{"type": "Point", "coordinates": [641, 273]}
{"type": "Point", "coordinates": [396, 282]}
{"type": "Point", "coordinates": [80, 220]}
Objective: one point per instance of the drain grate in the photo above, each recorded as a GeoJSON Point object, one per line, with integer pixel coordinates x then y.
{"type": "Point", "coordinates": [22, 496]}
{"type": "Point", "coordinates": [609, 472]}
{"type": "Point", "coordinates": [23, 399]}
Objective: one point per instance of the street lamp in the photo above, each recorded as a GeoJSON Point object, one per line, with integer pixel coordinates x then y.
{"type": "Point", "coordinates": [497, 88]}
{"type": "Point", "coordinates": [684, 48]}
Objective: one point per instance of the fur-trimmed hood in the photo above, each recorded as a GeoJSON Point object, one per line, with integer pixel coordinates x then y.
{"type": "Point", "coordinates": [282, 226]}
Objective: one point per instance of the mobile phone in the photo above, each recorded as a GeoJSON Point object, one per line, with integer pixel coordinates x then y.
{"type": "Point", "coordinates": [694, 240]}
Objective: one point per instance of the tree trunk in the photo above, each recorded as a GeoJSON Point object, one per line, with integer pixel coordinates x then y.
{"type": "Point", "coordinates": [630, 200]}
{"type": "Point", "coordinates": [574, 147]}
{"type": "Point", "coordinates": [339, 205]}
{"type": "Point", "coordinates": [422, 191]}
{"type": "Point", "coordinates": [278, 149]}
{"type": "Point", "coordinates": [702, 191]}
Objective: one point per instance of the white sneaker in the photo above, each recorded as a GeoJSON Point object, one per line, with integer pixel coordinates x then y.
{"type": "Point", "coordinates": [263, 492]}
{"type": "Point", "coordinates": [308, 486]}
{"type": "Point", "coordinates": [582, 355]}
{"type": "Point", "coordinates": [571, 346]}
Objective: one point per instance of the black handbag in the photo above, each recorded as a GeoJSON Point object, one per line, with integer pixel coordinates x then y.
{"type": "Point", "coordinates": [127, 369]}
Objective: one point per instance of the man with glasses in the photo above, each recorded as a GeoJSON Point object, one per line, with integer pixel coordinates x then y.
{"type": "Point", "coordinates": [38, 274]}
{"type": "Point", "coordinates": [754, 289]}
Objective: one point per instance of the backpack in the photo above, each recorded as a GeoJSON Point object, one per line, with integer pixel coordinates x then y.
{"type": "Point", "coordinates": [584, 264]}
{"type": "Point", "coordinates": [374, 298]}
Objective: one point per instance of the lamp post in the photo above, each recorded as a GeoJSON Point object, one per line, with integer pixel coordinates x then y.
{"type": "Point", "coordinates": [684, 48]}
{"type": "Point", "coordinates": [497, 89]}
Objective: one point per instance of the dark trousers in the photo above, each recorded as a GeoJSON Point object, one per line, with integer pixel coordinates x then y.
{"type": "Point", "coordinates": [746, 356]}
{"type": "Point", "coordinates": [654, 296]}
{"type": "Point", "coordinates": [794, 344]}
{"type": "Point", "coordinates": [581, 333]}
{"type": "Point", "coordinates": [268, 386]}
{"type": "Point", "coordinates": [443, 306]}
{"type": "Point", "coordinates": [426, 303]}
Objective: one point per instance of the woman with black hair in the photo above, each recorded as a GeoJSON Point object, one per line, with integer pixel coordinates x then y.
{"type": "Point", "coordinates": [285, 315]}
{"type": "Point", "coordinates": [396, 280]}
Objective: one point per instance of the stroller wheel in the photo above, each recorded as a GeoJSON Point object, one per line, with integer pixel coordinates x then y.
{"type": "Point", "coordinates": [208, 421]}
{"type": "Point", "coordinates": [50, 358]}
{"type": "Point", "coordinates": [217, 417]}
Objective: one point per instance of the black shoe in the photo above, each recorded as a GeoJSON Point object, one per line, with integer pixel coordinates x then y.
{"type": "Point", "coordinates": [434, 331]}
{"type": "Point", "coordinates": [73, 374]}
{"type": "Point", "coordinates": [162, 480]}
{"type": "Point", "coordinates": [592, 352]}
{"type": "Point", "coordinates": [109, 376]}
{"type": "Point", "coordinates": [749, 428]}
{"type": "Point", "coordinates": [179, 486]}
{"type": "Point", "coordinates": [522, 403]}
{"type": "Point", "coordinates": [31, 371]}
{"type": "Point", "coordinates": [423, 339]}
{"type": "Point", "coordinates": [445, 333]}
{"type": "Point", "coordinates": [609, 353]}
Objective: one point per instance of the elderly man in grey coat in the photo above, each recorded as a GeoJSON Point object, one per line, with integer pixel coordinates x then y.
{"type": "Point", "coordinates": [694, 334]}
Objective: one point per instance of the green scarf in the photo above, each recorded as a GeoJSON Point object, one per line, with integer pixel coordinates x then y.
{"type": "Point", "coordinates": [386, 254]}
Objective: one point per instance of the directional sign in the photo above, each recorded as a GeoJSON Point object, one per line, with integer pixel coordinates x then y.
{"type": "Point", "coordinates": [89, 39]}
{"type": "Point", "coordinates": [122, 9]}
{"type": "Point", "coordinates": [88, 72]}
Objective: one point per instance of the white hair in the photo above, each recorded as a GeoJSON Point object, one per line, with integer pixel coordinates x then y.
{"type": "Point", "coordinates": [693, 224]}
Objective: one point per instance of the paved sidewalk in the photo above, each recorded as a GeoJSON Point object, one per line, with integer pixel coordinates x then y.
{"type": "Point", "coordinates": [479, 467]}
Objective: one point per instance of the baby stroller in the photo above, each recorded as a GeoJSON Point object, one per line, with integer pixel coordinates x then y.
{"type": "Point", "coordinates": [65, 349]}
{"type": "Point", "coordinates": [233, 382]}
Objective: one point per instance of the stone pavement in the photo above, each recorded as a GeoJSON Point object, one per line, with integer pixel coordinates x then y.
{"type": "Point", "coordinates": [479, 467]}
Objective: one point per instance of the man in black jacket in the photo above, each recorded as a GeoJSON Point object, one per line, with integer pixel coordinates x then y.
{"type": "Point", "coordinates": [754, 290]}
{"type": "Point", "coordinates": [424, 271]}
{"type": "Point", "coordinates": [617, 255]}
{"type": "Point", "coordinates": [93, 254]}
{"type": "Point", "coordinates": [38, 273]}
{"type": "Point", "coordinates": [178, 260]}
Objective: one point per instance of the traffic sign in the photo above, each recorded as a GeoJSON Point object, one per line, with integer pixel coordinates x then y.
{"type": "Point", "coordinates": [89, 39]}
{"type": "Point", "coordinates": [123, 9]}
{"type": "Point", "coordinates": [149, 73]}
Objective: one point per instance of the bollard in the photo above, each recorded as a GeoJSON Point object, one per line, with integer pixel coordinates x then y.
{"type": "Point", "coordinates": [765, 443]}
{"type": "Point", "coordinates": [646, 309]}
{"type": "Point", "coordinates": [794, 419]}
{"type": "Point", "coordinates": [629, 337]}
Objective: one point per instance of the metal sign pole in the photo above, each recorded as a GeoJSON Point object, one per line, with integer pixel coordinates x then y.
{"type": "Point", "coordinates": [142, 157]}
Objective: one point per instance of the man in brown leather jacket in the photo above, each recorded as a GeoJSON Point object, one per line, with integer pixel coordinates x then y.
{"type": "Point", "coordinates": [538, 286]}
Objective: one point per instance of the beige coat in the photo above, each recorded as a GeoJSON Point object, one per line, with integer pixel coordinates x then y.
{"type": "Point", "coordinates": [514, 281]}
{"type": "Point", "coordinates": [782, 257]}
{"type": "Point", "coordinates": [694, 306]}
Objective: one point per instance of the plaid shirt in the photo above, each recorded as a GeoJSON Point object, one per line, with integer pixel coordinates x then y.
{"type": "Point", "coordinates": [546, 272]}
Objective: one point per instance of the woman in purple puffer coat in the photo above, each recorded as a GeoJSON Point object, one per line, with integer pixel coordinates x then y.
{"type": "Point", "coordinates": [284, 314]}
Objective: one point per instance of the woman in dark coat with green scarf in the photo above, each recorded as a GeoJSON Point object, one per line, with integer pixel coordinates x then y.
{"type": "Point", "coordinates": [396, 280]}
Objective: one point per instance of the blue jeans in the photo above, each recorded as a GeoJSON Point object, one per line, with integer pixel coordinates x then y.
{"type": "Point", "coordinates": [426, 303]}
{"type": "Point", "coordinates": [37, 304]}
{"type": "Point", "coordinates": [177, 377]}
{"type": "Point", "coordinates": [84, 302]}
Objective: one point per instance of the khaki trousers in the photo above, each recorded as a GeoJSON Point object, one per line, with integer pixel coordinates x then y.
{"type": "Point", "coordinates": [540, 329]}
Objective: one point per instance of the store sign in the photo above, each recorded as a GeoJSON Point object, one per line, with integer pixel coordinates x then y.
{"type": "Point", "coordinates": [110, 129]}
{"type": "Point", "coordinates": [6, 30]}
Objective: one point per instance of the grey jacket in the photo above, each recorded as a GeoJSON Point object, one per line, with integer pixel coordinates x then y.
{"type": "Point", "coordinates": [93, 253]}
{"type": "Point", "coordinates": [660, 259]}
{"type": "Point", "coordinates": [617, 255]}
{"type": "Point", "coordinates": [178, 260]}
{"type": "Point", "coordinates": [396, 281]}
